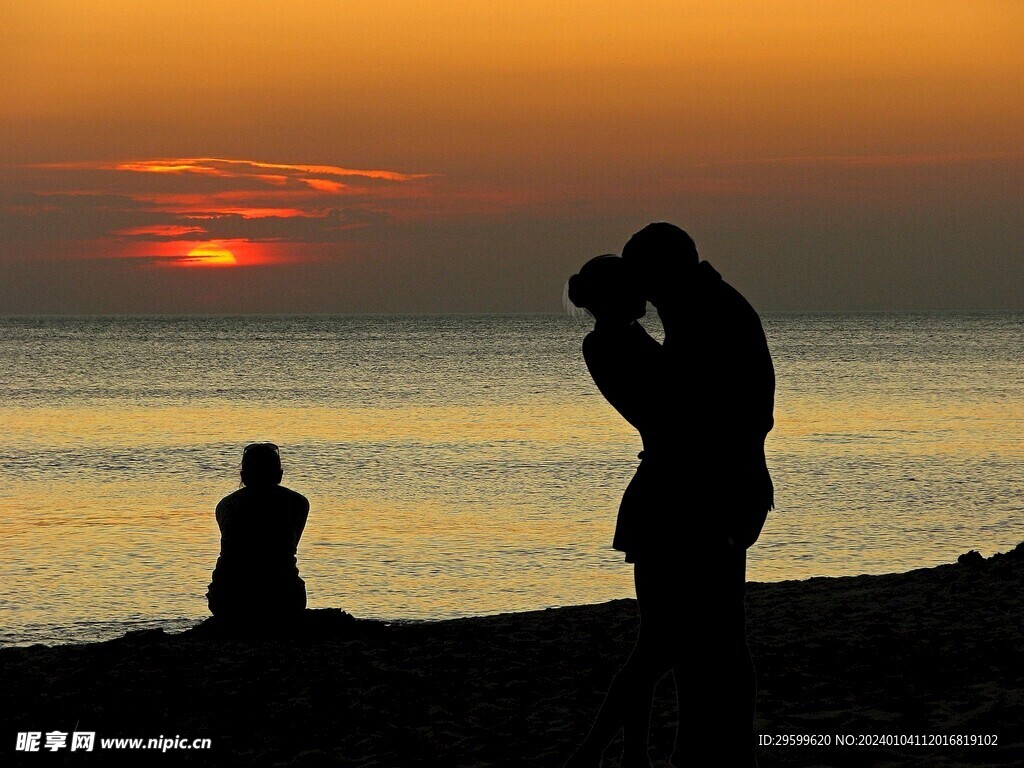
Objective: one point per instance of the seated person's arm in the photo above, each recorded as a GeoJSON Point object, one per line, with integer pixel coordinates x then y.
{"type": "Point", "coordinates": [301, 515]}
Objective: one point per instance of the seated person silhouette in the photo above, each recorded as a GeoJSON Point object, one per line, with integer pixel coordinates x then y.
{"type": "Point", "coordinates": [256, 581]}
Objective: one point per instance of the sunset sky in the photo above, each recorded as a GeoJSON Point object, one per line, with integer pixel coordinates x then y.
{"type": "Point", "coordinates": [400, 155]}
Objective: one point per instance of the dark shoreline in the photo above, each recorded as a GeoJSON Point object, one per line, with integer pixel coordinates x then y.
{"type": "Point", "coordinates": [931, 652]}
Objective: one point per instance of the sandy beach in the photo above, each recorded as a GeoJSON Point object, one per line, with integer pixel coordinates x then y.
{"type": "Point", "coordinates": [932, 653]}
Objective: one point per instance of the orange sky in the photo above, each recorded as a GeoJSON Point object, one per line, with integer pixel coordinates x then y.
{"type": "Point", "coordinates": [826, 155]}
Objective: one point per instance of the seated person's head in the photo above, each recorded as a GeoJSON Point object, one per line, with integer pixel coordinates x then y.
{"type": "Point", "coordinates": [607, 288]}
{"type": "Point", "coordinates": [663, 256]}
{"type": "Point", "coordinates": [261, 465]}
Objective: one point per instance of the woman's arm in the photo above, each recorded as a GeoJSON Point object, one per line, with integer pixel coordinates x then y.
{"type": "Point", "coordinates": [631, 373]}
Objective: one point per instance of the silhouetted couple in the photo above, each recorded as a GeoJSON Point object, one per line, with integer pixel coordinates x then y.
{"type": "Point", "coordinates": [702, 403]}
{"type": "Point", "coordinates": [256, 582]}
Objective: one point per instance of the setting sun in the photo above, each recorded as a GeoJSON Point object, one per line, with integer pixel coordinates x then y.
{"type": "Point", "coordinates": [210, 255]}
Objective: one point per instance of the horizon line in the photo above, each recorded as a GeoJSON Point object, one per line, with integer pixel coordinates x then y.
{"type": "Point", "coordinates": [467, 313]}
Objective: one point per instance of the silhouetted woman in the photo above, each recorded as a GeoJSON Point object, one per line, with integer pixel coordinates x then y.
{"type": "Point", "coordinates": [628, 367]}
{"type": "Point", "coordinates": [256, 580]}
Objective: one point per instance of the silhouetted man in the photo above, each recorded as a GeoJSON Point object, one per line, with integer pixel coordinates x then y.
{"type": "Point", "coordinates": [719, 359]}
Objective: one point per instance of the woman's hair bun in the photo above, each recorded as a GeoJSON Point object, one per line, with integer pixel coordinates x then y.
{"type": "Point", "coordinates": [580, 290]}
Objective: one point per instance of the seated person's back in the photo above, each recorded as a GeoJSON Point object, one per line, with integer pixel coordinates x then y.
{"type": "Point", "coordinates": [256, 577]}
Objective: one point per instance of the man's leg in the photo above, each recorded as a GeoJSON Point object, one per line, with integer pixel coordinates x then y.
{"type": "Point", "coordinates": [715, 684]}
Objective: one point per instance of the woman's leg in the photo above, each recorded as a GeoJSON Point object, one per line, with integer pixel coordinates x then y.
{"type": "Point", "coordinates": [627, 705]}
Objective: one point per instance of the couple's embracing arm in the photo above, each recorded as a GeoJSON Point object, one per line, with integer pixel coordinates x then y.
{"type": "Point", "coordinates": [631, 371]}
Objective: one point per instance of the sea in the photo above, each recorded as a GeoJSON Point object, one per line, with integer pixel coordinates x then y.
{"type": "Point", "coordinates": [466, 464]}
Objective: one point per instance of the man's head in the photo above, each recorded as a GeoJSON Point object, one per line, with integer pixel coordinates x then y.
{"type": "Point", "coordinates": [663, 256]}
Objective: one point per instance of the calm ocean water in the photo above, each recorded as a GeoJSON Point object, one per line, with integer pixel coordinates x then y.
{"type": "Point", "coordinates": [466, 464]}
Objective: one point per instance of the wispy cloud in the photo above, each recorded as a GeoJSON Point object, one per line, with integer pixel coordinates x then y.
{"type": "Point", "coordinates": [231, 168]}
{"type": "Point", "coordinates": [853, 161]}
{"type": "Point", "coordinates": [159, 230]}
{"type": "Point", "coordinates": [200, 199]}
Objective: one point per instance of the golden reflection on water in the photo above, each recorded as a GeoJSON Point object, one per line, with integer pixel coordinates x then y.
{"type": "Point", "coordinates": [96, 426]}
{"type": "Point", "coordinates": [141, 540]}
{"type": "Point", "coordinates": [935, 428]}
{"type": "Point", "coordinates": [426, 511]}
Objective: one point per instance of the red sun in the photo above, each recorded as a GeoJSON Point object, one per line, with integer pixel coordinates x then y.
{"type": "Point", "coordinates": [210, 255]}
